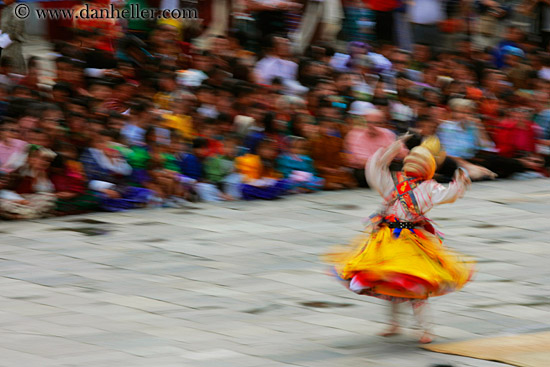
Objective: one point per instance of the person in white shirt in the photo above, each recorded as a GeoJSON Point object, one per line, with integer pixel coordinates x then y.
{"type": "Point", "coordinates": [276, 63]}
{"type": "Point", "coordinates": [424, 16]}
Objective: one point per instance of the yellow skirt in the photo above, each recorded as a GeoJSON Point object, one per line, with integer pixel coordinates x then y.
{"type": "Point", "coordinates": [412, 265]}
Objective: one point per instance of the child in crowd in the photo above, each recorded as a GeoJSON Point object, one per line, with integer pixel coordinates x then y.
{"type": "Point", "coordinates": [179, 118]}
{"type": "Point", "coordinates": [11, 146]}
{"type": "Point", "coordinates": [210, 133]}
{"type": "Point", "coordinates": [260, 179]}
{"type": "Point", "coordinates": [108, 173]}
{"type": "Point", "coordinates": [297, 166]}
{"type": "Point", "coordinates": [32, 194]}
{"type": "Point", "coordinates": [328, 156]}
{"type": "Point", "coordinates": [163, 181]}
{"type": "Point", "coordinates": [69, 180]}
{"type": "Point", "coordinates": [191, 162]}
{"type": "Point", "coordinates": [139, 158]}
{"type": "Point", "coordinates": [220, 171]}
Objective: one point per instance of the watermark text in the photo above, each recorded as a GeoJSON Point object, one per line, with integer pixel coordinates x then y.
{"type": "Point", "coordinates": [133, 11]}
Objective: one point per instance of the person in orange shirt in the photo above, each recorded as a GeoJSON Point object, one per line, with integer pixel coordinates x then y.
{"type": "Point", "coordinates": [260, 180]}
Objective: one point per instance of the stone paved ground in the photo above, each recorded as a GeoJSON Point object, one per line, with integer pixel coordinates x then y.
{"type": "Point", "coordinates": [241, 284]}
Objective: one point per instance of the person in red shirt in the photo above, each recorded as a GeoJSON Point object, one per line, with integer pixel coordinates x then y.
{"type": "Point", "coordinates": [90, 19]}
{"type": "Point", "coordinates": [210, 132]}
{"type": "Point", "coordinates": [516, 138]}
{"type": "Point", "coordinates": [516, 135]}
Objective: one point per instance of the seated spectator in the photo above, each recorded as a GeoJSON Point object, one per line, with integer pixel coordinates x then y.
{"type": "Point", "coordinates": [516, 134]}
{"type": "Point", "coordinates": [10, 145]}
{"type": "Point", "coordinates": [167, 86]}
{"type": "Point", "coordinates": [260, 179]}
{"type": "Point", "coordinates": [219, 171]}
{"type": "Point", "coordinates": [32, 194]}
{"type": "Point", "coordinates": [210, 133]}
{"type": "Point", "coordinates": [36, 137]}
{"type": "Point", "coordinates": [164, 183]}
{"type": "Point", "coordinates": [77, 135]}
{"type": "Point", "coordinates": [515, 67]}
{"type": "Point", "coordinates": [364, 139]}
{"type": "Point", "coordinates": [140, 117]}
{"type": "Point", "coordinates": [108, 173]}
{"type": "Point", "coordinates": [465, 140]}
{"type": "Point", "coordinates": [191, 163]}
{"type": "Point", "coordinates": [329, 159]}
{"type": "Point", "coordinates": [298, 168]}
{"type": "Point", "coordinates": [69, 180]}
{"type": "Point", "coordinates": [139, 158]}
{"type": "Point", "coordinates": [120, 97]}
{"type": "Point", "coordinates": [206, 97]}
{"type": "Point", "coordinates": [179, 120]}
{"type": "Point", "coordinates": [255, 133]}
{"type": "Point", "coordinates": [517, 138]}
{"type": "Point", "coordinates": [426, 127]}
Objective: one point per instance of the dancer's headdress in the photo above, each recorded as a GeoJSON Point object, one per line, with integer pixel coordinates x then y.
{"type": "Point", "coordinates": [434, 146]}
{"type": "Point", "coordinates": [419, 163]}
{"type": "Point", "coordinates": [423, 160]}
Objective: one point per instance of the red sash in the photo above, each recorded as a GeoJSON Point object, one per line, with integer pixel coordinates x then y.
{"type": "Point", "coordinates": [403, 192]}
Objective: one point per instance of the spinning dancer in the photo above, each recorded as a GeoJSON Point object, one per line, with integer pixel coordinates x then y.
{"type": "Point", "coordinates": [403, 258]}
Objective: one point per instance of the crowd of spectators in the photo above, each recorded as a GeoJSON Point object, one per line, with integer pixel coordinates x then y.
{"type": "Point", "coordinates": [147, 119]}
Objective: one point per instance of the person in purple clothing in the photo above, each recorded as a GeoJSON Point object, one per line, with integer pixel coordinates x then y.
{"type": "Point", "coordinates": [109, 173]}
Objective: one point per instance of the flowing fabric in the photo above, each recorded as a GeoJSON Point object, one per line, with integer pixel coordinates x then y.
{"type": "Point", "coordinates": [414, 265]}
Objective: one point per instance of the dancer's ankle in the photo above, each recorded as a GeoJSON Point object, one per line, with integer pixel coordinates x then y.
{"type": "Point", "coordinates": [393, 329]}
{"type": "Point", "coordinates": [426, 337]}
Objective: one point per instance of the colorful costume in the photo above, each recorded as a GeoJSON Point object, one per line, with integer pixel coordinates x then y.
{"type": "Point", "coordinates": [403, 258]}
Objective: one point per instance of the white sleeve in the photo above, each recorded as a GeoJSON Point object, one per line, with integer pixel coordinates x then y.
{"type": "Point", "coordinates": [15, 161]}
{"type": "Point", "coordinates": [377, 170]}
{"type": "Point", "coordinates": [97, 185]}
{"type": "Point", "coordinates": [444, 195]}
{"type": "Point", "coordinates": [10, 195]}
{"type": "Point", "coordinates": [94, 73]}
{"type": "Point", "coordinates": [122, 167]}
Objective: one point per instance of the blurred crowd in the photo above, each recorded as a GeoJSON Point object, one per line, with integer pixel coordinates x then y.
{"type": "Point", "coordinates": [141, 114]}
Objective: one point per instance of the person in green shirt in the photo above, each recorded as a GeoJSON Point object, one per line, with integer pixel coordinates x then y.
{"type": "Point", "coordinates": [169, 155]}
{"type": "Point", "coordinates": [219, 171]}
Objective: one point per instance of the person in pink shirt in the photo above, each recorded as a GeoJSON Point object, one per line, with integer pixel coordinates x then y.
{"type": "Point", "coordinates": [10, 146]}
{"type": "Point", "coordinates": [364, 139]}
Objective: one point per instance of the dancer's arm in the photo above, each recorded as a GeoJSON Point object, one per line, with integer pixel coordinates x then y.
{"type": "Point", "coordinates": [456, 189]}
{"type": "Point", "coordinates": [377, 170]}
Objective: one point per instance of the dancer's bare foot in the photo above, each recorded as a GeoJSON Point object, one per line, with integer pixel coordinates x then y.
{"type": "Point", "coordinates": [426, 338]}
{"type": "Point", "coordinates": [391, 331]}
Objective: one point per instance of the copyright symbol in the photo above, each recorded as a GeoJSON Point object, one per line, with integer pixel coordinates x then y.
{"type": "Point", "coordinates": [21, 11]}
